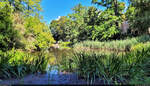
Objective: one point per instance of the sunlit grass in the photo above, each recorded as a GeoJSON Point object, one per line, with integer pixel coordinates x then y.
{"type": "Point", "coordinates": [114, 68]}
{"type": "Point", "coordinates": [113, 45]}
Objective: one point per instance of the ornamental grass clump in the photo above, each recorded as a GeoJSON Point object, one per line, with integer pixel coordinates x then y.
{"type": "Point", "coordinates": [113, 68]}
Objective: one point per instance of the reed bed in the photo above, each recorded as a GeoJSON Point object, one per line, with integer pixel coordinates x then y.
{"type": "Point", "coordinates": [116, 45]}
{"type": "Point", "coordinates": [129, 68]}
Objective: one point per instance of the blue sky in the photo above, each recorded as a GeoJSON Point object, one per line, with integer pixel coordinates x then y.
{"type": "Point", "coordinates": [54, 8]}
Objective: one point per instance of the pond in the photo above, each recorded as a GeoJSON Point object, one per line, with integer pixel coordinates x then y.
{"type": "Point", "coordinates": [53, 74]}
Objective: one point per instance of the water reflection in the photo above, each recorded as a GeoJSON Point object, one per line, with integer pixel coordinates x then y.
{"type": "Point", "coordinates": [57, 55]}
{"type": "Point", "coordinates": [52, 69]}
{"type": "Point", "coordinates": [53, 75]}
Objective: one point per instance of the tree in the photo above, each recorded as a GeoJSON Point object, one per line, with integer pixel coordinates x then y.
{"type": "Point", "coordinates": [80, 27]}
{"type": "Point", "coordinates": [140, 12]}
{"type": "Point", "coordinates": [32, 6]}
{"type": "Point", "coordinates": [28, 7]}
{"type": "Point", "coordinates": [111, 24]}
{"type": "Point", "coordinates": [114, 5]}
{"type": "Point", "coordinates": [7, 33]}
{"type": "Point", "coordinates": [87, 23]}
{"type": "Point", "coordinates": [106, 28]}
{"type": "Point", "coordinates": [62, 29]}
{"type": "Point", "coordinates": [68, 28]}
{"type": "Point", "coordinates": [34, 33]}
{"type": "Point", "coordinates": [92, 16]}
{"type": "Point", "coordinates": [39, 32]}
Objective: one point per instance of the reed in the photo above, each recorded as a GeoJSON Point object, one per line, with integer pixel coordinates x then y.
{"type": "Point", "coordinates": [16, 64]}
{"type": "Point", "coordinates": [113, 45]}
{"type": "Point", "coordinates": [112, 68]}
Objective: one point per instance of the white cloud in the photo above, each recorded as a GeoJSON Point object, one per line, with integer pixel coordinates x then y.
{"type": "Point", "coordinates": [58, 17]}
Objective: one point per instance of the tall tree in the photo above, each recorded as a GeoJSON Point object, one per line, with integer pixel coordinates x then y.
{"type": "Point", "coordinates": [108, 4]}
{"type": "Point", "coordinates": [78, 17]}
{"type": "Point", "coordinates": [140, 15]}
{"type": "Point", "coordinates": [62, 29]}
{"type": "Point", "coordinates": [29, 7]}
{"type": "Point", "coordinates": [114, 5]}
{"type": "Point", "coordinates": [92, 16]}
{"type": "Point", "coordinates": [38, 34]}
{"type": "Point", "coordinates": [8, 36]}
{"type": "Point", "coordinates": [32, 6]}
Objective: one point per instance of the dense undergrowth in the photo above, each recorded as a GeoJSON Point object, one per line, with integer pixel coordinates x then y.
{"type": "Point", "coordinates": [129, 68]}
{"type": "Point", "coordinates": [17, 63]}
{"type": "Point", "coordinates": [114, 44]}
{"type": "Point", "coordinates": [23, 31]}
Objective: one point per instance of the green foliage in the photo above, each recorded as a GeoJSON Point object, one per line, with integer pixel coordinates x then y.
{"type": "Point", "coordinates": [80, 27]}
{"type": "Point", "coordinates": [21, 29]}
{"type": "Point", "coordinates": [7, 33]}
{"type": "Point", "coordinates": [107, 27]}
{"type": "Point", "coordinates": [29, 7]}
{"type": "Point", "coordinates": [90, 23]}
{"type": "Point", "coordinates": [114, 44]}
{"type": "Point", "coordinates": [109, 19]}
{"type": "Point", "coordinates": [16, 63]}
{"type": "Point", "coordinates": [64, 64]}
{"type": "Point", "coordinates": [62, 29]}
{"type": "Point", "coordinates": [114, 5]}
{"type": "Point", "coordinates": [87, 23]}
{"type": "Point", "coordinates": [130, 13]}
{"type": "Point", "coordinates": [64, 45]}
{"type": "Point", "coordinates": [41, 35]}
{"type": "Point", "coordinates": [138, 15]}
{"type": "Point", "coordinates": [114, 68]}
{"type": "Point", "coordinates": [140, 46]}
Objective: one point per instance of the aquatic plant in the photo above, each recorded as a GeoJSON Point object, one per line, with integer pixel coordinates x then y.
{"type": "Point", "coordinates": [113, 45]}
{"type": "Point", "coordinates": [114, 68]}
{"type": "Point", "coordinates": [16, 63]}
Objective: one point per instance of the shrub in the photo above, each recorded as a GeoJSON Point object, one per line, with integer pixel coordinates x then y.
{"type": "Point", "coordinates": [140, 46]}
{"type": "Point", "coordinates": [17, 63]}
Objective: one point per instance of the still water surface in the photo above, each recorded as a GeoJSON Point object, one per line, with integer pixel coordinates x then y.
{"type": "Point", "coordinates": [53, 75]}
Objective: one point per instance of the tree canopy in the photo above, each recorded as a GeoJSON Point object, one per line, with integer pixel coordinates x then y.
{"type": "Point", "coordinates": [139, 14]}
{"type": "Point", "coordinates": [21, 25]}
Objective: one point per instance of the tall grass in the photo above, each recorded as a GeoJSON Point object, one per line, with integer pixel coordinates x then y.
{"type": "Point", "coordinates": [129, 68]}
{"type": "Point", "coordinates": [115, 44]}
{"type": "Point", "coordinates": [17, 63]}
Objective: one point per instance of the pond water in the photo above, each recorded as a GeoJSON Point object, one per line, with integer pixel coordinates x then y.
{"type": "Point", "coordinates": [57, 54]}
{"type": "Point", "coordinates": [52, 75]}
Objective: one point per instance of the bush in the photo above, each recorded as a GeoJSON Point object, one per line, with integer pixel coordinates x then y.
{"type": "Point", "coordinates": [140, 46]}
{"type": "Point", "coordinates": [17, 63]}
